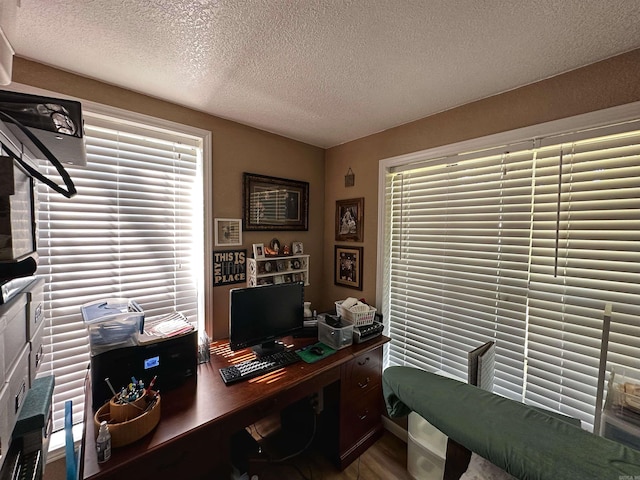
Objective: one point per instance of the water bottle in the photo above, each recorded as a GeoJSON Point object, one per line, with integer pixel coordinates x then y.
{"type": "Point", "coordinates": [103, 443]}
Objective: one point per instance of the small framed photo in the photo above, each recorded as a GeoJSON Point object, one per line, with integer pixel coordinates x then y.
{"type": "Point", "coordinates": [297, 248]}
{"type": "Point", "coordinates": [349, 220]}
{"type": "Point", "coordinates": [348, 266]}
{"type": "Point", "coordinates": [228, 232]}
{"type": "Point", "coordinates": [258, 250]}
{"type": "Point", "coordinates": [278, 279]}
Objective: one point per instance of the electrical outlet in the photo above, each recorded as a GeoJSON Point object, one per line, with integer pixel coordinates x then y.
{"type": "Point", "coordinates": [316, 401]}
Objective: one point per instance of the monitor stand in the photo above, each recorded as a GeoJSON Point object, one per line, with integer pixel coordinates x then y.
{"type": "Point", "coordinates": [268, 348]}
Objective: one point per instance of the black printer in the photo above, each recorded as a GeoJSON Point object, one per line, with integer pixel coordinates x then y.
{"type": "Point", "coordinates": [172, 360]}
{"type": "Point", "coordinates": [124, 347]}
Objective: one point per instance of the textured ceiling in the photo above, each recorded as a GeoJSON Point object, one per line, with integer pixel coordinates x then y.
{"type": "Point", "coordinates": [322, 71]}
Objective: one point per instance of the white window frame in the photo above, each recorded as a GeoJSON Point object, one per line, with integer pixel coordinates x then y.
{"type": "Point", "coordinates": [56, 445]}
{"type": "Point", "coordinates": [559, 127]}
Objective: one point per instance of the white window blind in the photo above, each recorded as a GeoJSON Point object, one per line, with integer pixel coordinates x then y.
{"type": "Point", "coordinates": [459, 258]}
{"type": "Point", "coordinates": [597, 219]}
{"type": "Point", "coordinates": [134, 230]}
{"type": "Point", "coordinates": [525, 248]}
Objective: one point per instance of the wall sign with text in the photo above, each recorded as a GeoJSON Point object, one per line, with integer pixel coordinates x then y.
{"type": "Point", "coordinates": [229, 267]}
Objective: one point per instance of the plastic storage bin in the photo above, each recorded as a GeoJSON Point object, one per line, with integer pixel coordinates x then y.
{"type": "Point", "coordinates": [616, 428]}
{"type": "Point", "coordinates": [422, 464]}
{"type": "Point", "coordinates": [335, 337]}
{"type": "Point", "coordinates": [428, 436]}
{"type": "Point", "coordinates": [426, 449]}
{"type": "Point", "coordinates": [112, 323]}
{"type": "Point", "coordinates": [621, 413]}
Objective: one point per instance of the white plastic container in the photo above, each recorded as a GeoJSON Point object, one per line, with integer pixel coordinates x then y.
{"type": "Point", "coordinates": [357, 318]}
{"type": "Point", "coordinates": [621, 413]}
{"type": "Point", "coordinates": [427, 436]}
{"type": "Point", "coordinates": [112, 323]}
{"type": "Point", "coordinates": [422, 464]}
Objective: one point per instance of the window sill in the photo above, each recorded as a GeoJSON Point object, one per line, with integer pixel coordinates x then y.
{"type": "Point", "coordinates": [57, 443]}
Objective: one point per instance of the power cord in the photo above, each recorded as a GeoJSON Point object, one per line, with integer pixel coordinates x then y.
{"type": "Point", "coordinates": [295, 454]}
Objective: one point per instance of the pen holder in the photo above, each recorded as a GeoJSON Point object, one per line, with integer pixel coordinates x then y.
{"type": "Point", "coordinates": [121, 412]}
{"type": "Point", "coordinates": [124, 433]}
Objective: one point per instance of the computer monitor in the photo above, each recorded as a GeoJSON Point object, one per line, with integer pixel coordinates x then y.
{"type": "Point", "coordinates": [259, 316]}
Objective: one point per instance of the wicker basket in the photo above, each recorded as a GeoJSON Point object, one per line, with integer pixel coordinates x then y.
{"type": "Point", "coordinates": [124, 433]}
{"type": "Point", "coordinates": [358, 319]}
{"type": "Point", "coordinates": [121, 412]}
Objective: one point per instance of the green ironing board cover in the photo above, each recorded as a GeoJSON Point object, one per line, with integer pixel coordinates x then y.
{"type": "Point", "coordinates": [522, 440]}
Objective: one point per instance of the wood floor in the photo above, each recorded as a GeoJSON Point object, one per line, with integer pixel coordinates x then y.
{"type": "Point", "coordinates": [385, 460]}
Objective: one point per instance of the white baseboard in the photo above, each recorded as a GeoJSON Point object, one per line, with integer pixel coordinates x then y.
{"type": "Point", "coordinates": [394, 428]}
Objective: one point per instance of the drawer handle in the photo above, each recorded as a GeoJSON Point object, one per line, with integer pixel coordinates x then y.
{"type": "Point", "coordinates": [364, 362]}
{"type": "Point", "coordinates": [39, 357]}
{"type": "Point", "coordinates": [20, 397]}
{"type": "Point", "coordinates": [364, 384]}
{"type": "Point", "coordinates": [49, 427]}
{"type": "Point", "coordinates": [364, 415]}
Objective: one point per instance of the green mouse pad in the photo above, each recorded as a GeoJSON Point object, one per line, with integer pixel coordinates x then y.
{"type": "Point", "coordinates": [310, 357]}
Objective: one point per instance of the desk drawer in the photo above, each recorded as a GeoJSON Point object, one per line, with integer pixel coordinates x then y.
{"type": "Point", "coordinates": [12, 395]}
{"type": "Point", "coordinates": [36, 353]}
{"type": "Point", "coordinates": [359, 416]}
{"type": "Point", "coordinates": [363, 373]}
{"type": "Point", "coordinates": [35, 306]}
{"type": "Point", "coordinates": [13, 333]}
{"type": "Point", "coordinates": [5, 428]}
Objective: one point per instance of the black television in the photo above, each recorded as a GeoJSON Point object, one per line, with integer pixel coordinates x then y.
{"type": "Point", "coordinates": [260, 316]}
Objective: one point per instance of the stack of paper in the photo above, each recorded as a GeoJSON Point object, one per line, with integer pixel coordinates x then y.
{"type": "Point", "coordinates": [165, 326]}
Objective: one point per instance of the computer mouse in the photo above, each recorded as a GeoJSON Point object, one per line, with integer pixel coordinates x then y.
{"type": "Point", "coordinates": [316, 350]}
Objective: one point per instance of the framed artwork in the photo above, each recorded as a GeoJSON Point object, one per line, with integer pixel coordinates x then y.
{"type": "Point", "coordinates": [348, 266]}
{"type": "Point", "coordinates": [228, 232]}
{"type": "Point", "coordinates": [229, 267]}
{"type": "Point", "coordinates": [349, 220]}
{"type": "Point", "coordinates": [271, 203]}
{"type": "Point", "coordinates": [258, 250]}
{"type": "Point", "coordinates": [297, 248]}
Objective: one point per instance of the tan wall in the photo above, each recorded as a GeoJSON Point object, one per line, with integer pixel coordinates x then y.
{"type": "Point", "coordinates": [236, 148]}
{"type": "Point", "coordinates": [605, 84]}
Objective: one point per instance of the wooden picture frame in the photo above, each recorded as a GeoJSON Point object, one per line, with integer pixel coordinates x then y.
{"type": "Point", "coordinates": [297, 248]}
{"type": "Point", "coordinates": [350, 220]}
{"type": "Point", "coordinates": [228, 232]}
{"type": "Point", "coordinates": [271, 203]}
{"type": "Point", "coordinates": [348, 266]}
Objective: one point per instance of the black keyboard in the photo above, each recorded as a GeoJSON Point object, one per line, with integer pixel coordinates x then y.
{"type": "Point", "coordinates": [259, 366]}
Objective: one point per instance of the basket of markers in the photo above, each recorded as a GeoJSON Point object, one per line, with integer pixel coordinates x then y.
{"type": "Point", "coordinates": [131, 413]}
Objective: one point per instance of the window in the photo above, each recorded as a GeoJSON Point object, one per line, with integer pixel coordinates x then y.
{"type": "Point", "coordinates": [134, 230]}
{"type": "Point", "coordinates": [524, 241]}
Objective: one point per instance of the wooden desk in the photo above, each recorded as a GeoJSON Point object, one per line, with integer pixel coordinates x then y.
{"type": "Point", "coordinates": [199, 417]}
